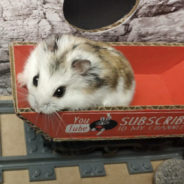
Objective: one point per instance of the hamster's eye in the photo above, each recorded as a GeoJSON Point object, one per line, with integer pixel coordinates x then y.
{"type": "Point", "coordinates": [35, 80]}
{"type": "Point", "coordinates": [59, 91]}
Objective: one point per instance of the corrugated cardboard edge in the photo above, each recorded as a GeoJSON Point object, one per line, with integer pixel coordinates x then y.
{"type": "Point", "coordinates": [161, 44]}
{"type": "Point", "coordinates": [12, 70]}
{"type": "Point", "coordinates": [46, 136]}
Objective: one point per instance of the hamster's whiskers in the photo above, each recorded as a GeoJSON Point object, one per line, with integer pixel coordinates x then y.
{"type": "Point", "coordinates": [60, 119]}
{"type": "Point", "coordinates": [21, 93]}
{"type": "Point", "coordinates": [53, 122]}
{"type": "Point", "coordinates": [61, 122]}
{"type": "Point", "coordinates": [49, 119]}
{"type": "Point", "coordinates": [23, 97]}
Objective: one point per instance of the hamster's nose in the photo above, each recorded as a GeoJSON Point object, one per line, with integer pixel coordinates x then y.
{"type": "Point", "coordinates": [44, 108]}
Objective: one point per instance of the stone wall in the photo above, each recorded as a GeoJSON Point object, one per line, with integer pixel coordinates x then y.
{"type": "Point", "coordinates": [30, 20]}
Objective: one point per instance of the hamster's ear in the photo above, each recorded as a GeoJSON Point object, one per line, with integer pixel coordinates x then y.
{"type": "Point", "coordinates": [22, 79]}
{"type": "Point", "coordinates": [51, 42]}
{"type": "Point", "coordinates": [81, 65]}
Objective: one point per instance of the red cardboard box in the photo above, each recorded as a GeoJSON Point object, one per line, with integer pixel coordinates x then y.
{"type": "Point", "coordinates": [157, 109]}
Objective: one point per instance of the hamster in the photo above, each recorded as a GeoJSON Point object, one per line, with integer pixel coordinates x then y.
{"type": "Point", "coordinates": [73, 73]}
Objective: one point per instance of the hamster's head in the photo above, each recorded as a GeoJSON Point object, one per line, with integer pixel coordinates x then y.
{"type": "Point", "coordinates": [59, 75]}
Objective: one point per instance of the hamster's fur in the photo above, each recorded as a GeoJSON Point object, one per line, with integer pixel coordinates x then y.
{"type": "Point", "coordinates": [68, 72]}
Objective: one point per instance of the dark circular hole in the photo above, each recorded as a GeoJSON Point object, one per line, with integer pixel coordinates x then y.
{"type": "Point", "coordinates": [95, 14]}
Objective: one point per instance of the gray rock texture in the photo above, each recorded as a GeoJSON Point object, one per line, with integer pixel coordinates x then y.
{"type": "Point", "coordinates": [30, 20]}
{"type": "Point", "coordinates": [5, 88]}
{"type": "Point", "coordinates": [170, 172]}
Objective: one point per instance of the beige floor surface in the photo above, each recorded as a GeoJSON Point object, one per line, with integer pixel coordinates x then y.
{"type": "Point", "coordinates": [13, 143]}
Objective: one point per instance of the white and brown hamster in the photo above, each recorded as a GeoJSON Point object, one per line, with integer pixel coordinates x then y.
{"type": "Point", "coordinates": [68, 72]}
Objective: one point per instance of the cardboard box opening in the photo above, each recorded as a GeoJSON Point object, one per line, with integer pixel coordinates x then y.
{"type": "Point", "coordinates": [158, 100]}
{"type": "Point", "coordinates": [158, 73]}
{"type": "Point", "coordinates": [97, 14]}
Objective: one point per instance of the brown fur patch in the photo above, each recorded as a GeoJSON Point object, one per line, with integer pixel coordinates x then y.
{"type": "Point", "coordinates": [118, 66]}
{"type": "Point", "coordinates": [58, 62]}
{"type": "Point", "coordinates": [115, 65]}
{"type": "Point", "coordinates": [96, 81]}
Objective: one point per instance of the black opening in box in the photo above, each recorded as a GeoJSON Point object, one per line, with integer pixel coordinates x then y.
{"type": "Point", "coordinates": [95, 14]}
